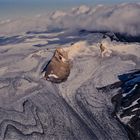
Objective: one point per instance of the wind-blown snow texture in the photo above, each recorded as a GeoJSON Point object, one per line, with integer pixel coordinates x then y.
{"type": "Point", "coordinates": [35, 109]}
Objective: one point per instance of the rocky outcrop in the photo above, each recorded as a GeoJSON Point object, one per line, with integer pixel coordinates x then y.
{"type": "Point", "coordinates": [58, 68]}
{"type": "Point", "coordinates": [127, 102]}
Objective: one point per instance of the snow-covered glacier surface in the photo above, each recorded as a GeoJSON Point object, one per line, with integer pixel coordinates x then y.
{"type": "Point", "coordinates": [32, 108]}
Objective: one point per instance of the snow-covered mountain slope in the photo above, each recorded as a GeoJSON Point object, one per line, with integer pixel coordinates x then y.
{"type": "Point", "coordinates": [127, 102]}
{"type": "Point", "coordinates": [33, 108]}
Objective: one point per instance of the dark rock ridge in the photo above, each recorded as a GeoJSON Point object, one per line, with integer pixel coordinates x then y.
{"type": "Point", "coordinates": [127, 102]}
{"type": "Point", "coordinates": [122, 37]}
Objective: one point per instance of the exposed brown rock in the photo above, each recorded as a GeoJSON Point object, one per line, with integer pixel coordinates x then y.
{"type": "Point", "coordinates": [105, 51]}
{"type": "Point", "coordinates": [58, 69]}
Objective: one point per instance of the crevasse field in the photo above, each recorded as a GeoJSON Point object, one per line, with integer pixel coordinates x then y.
{"type": "Point", "coordinates": [32, 108]}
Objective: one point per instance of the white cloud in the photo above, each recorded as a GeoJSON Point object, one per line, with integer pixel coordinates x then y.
{"type": "Point", "coordinates": [123, 18]}
{"type": "Point", "coordinates": [118, 18]}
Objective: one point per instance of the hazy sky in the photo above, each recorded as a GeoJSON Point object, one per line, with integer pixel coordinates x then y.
{"type": "Point", "coordinates": [13, 8]}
